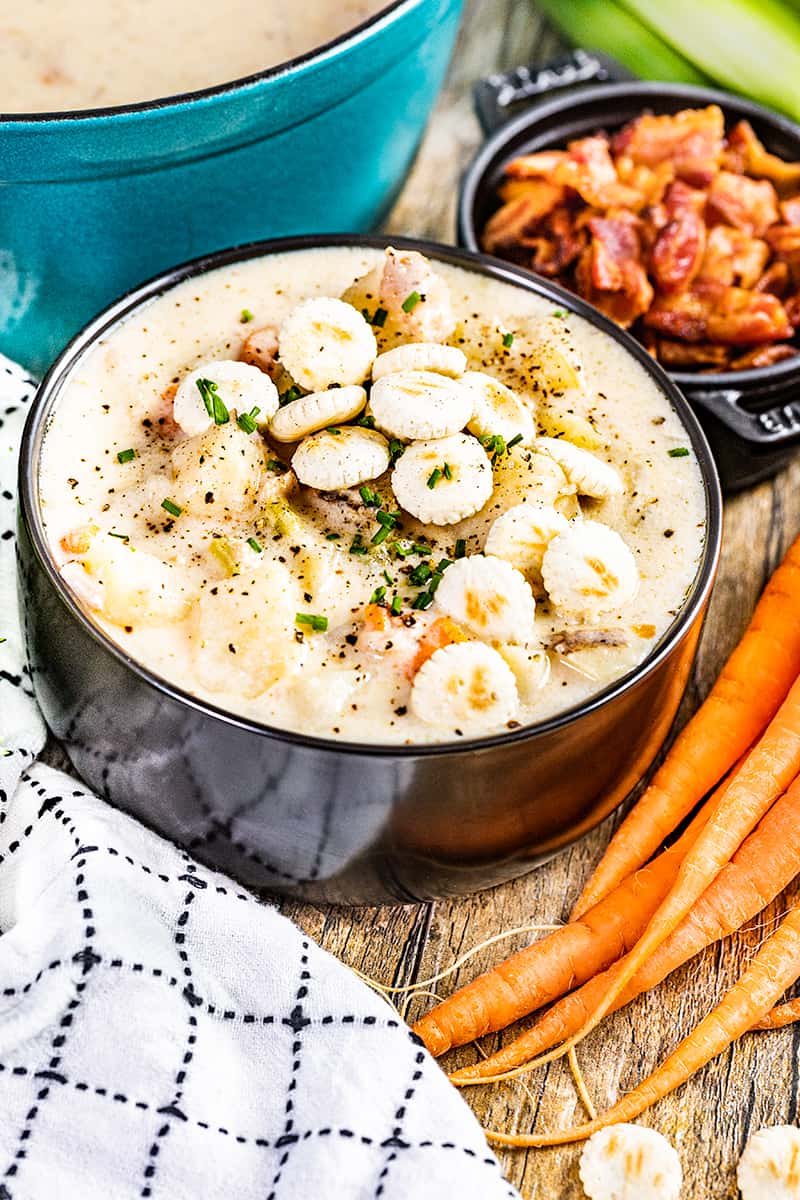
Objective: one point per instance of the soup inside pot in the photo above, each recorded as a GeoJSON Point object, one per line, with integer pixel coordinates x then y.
{"type": "Point", "coordinates": [66, 55]}
{"type": "Point", "coordinates": [372, 497]}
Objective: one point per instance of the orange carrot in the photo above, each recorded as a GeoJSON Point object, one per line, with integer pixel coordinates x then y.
{"type": "Point", "coordinates": [754, 681]}
{"type": "Point", "coordinates": [758, 872]}
{"type": "Point", "coordinates": [784, 1014]}
{"type": "Point", "coordinates": [443, 632]}
{"type": "Point", "coordinates": [562, 960]}
{"type": "Point", "coordinates": [764, 775]}
{"type": "Point", "coordinates": [774, 968]}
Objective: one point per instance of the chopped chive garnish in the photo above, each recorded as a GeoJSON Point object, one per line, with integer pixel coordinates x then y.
{"type": "Point", "coordinates": [377, 595]}
{"type": "Point", "coordinates": [559, 312]}
{"type": "Point", "coordinates": [461, 548]}
{"type": "Point", "coordinates": [389, 519]}
{"type": "Point", "coordinates": [423, 600]}
{"type": "Point", "coordinates": [357, 546]}
{"type": "Point", "coordinates": [123, 537]}
{"type": "Point", "coordinates": [447, 471]}
{"type": "Point", "coordinates": [389, 578]}
{"type": "Point", "coordinates": [126, 456]}
{"type": "Point", "coordinates": [444, 563]}
{"type": "Point", "coordinates": [172, 508]}
{"type": "Point", "coordinates": [411, 301]}
{"type": "Point", "coordinates": [332, 429]}
{"type": "Point", "coordinates": [494, 445]}
{"type": "Point", "coordinates": [215, 405]}
{"type": "Point", "coordinates": [332, 537]}
{"type": "Point", "coordinates": [292, 393]}
{"type": "Point", "coordinates": [247, 421]}
{"type": "Point", "coordinates": [370, 498]}
{"type": "Point", "coordinates": [508, 340]}
{"type": "Point", "coordinates": [3, 640]}
{"type": "Point", "coordinates": [397, 605]}
{"type": "Point", "coordinates": [379, 317]}
{"type": "Point", "coordinates": [246, 316]}
{"type": "Point", "coordinates": [434, 583]}
{"type": "Point", "coordinates": [421, 574]}
{"type": "Point", "coordinates": [381, 535]}
{"type": "Point", "coordinates": [318, 624]}
{"type": "Point", "coordinates": [275, 464]}
{"type": "Point", "coordinates": [421, 548]}
{"type": "Point", "coordinates": [402, 550]}
{"type": "Point", "coordinates": [396, 450]}
{"type": "Point", "coordinates": [434, 477]}
{"type": "Point", "coordinates": [254, 545]}
{"type": "Point", "coordinates": [366, 422]}
{"type": "Point", "coordinates": [515, 441]}
{"type": "Point", "coordinates": [678, 452]}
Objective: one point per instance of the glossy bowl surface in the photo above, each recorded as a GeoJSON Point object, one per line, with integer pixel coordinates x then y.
{"type": "Point", "coordinates": [332, 820]}
{"type": "Point", "coordinates": [93, 202]}
{"type": "Point", "coordinates": [752, 418]}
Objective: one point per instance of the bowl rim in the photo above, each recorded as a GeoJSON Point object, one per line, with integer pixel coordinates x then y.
{"type": "Point", "coordinates": [474, 177]}
{"type": "Point", "coordinates": [390, 11]}
{"type": "Point", "coordinates": [45, 401]}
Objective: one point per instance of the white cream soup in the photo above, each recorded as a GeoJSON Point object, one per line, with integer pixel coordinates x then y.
{"type": "Point", "coordinates": [62, 55]}
{"type": "Point", "coordinates": [510, 523]}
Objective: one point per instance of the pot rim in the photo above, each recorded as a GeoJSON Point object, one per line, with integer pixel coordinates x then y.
{"type": "Point", "coordinates": [475, 175]}
{"type": "Point", "coordinates": [351, 37]}
{"type": "Point", "coordinates": [58, 374]}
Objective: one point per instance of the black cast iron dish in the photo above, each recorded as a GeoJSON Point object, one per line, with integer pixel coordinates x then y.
{"type": "Point", "coordinates": [327, 819]}
{"type": "Point", "coordinates": [752, 418]}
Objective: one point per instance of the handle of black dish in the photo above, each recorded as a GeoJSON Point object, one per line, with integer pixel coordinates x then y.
{"type": "Point", "coordinates": [773, 428]}
{"type": "Point", "coordinates": [497, 95]}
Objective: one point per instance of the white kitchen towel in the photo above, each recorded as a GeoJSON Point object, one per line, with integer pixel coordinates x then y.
{"type": "Point", "coordinates": [162, 1032]}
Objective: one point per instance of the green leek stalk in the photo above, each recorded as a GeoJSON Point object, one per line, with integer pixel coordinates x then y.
{"type": "Point", "coordinates": [604, 25]}
{"type": "Point", "coordinates": [751, 46]}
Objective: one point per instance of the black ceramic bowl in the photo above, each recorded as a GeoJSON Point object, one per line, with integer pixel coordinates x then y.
{"type": "Point", "coordinates": [328, 819]}
{"type": "Point", "coordinates": [752, 418]}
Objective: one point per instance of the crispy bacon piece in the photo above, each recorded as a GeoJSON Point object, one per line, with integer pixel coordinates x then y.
{"type": "Point", "coordinates": [785, 243]}
{"type": "Point", "coordinates": [733, 257]}
{"type": "Point", "coordinates": [680, 244]}
{"type": "Point", "coordinates": [650, 182]}
{"type": "Point", "coordinates": [792, 306]}
{"type": "Point", "coordinates": [790, 210]}
{"type": "Point", "coordinates": [748, 318]}
{"type": "Point", "coordinates": [775, 280]}
{"type": "Point", "coordinates": [692, 140]}
{"type": "Point", "coordinates": [711, 312]}
{"type": "Point", "coordinates": [590, 170]}
{"type": "Point", "coordinates": [763, 356]}
{"type": "Point", "coordinates": [559, 245]}
{"type": "Point", "coordinates": [610, 273]}
{"type": "Point", "coordinates": [691, 354]}
{"type": "Point", "coordinates": [749, 204]}
{"type": "Point", "coordinates": [516, 222]}
{"type": "Point", "coordinates": [536, 166]}
{"type": "Point", "coordinates": [746, 154]}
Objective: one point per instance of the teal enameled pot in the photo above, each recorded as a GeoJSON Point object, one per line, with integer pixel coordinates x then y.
{"type": "Point", "coordinates": [93, 202]}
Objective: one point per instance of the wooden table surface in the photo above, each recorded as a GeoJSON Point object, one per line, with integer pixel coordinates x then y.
{"type": "Point", "coordinates": [754, 1084]}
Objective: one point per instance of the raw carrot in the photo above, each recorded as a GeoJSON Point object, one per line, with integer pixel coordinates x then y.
{"type": "Point", "coordinates": [562, 960]}
{"type": "Point", "coordinates": [774, 968]}
{"type": "Point", "coordinates": [764, 775]}
{"type": "Point", "coordinates": [753, 682]}
{"type": "Point", "coordinates": [759, 871]}
{"type": "Point", "coordinates": [784, 1014]}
